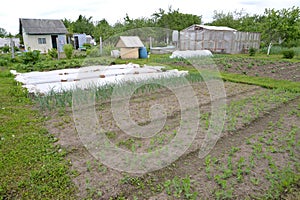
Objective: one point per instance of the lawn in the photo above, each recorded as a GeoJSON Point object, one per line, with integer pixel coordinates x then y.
{"type": "Point", "coordinates": [31, 165]}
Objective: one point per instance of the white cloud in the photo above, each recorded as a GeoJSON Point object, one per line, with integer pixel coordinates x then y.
{"type": "Point", "coordinates": [114, 11]}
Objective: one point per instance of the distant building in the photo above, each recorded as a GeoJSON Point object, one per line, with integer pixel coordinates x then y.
{"type": "Point", "coordinates": [7, 42]}
{"type": "Point", "coordinates": [129, 46]}
{"type": "Point", "coordinates": [43, 34]}
{"type": "Point", "coordinates": [79, 39]}
{"type": "Point", "coordinates": [217, 39]}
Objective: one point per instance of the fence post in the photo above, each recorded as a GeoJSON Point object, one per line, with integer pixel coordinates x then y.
{"type": "Point", "coordinates": [101, 46]}
{"type": "Point", "coordinates": [12, 45]}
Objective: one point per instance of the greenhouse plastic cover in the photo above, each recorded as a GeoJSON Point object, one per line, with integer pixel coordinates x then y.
{"type": "Point", "coordinates": [190, 53]}
{"type": "Point", "coordinates": [68, 79]}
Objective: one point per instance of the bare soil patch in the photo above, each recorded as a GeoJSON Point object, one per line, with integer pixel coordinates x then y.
{"type": "Point", "coordinates": [281, 70]}
{"type": "Point", "coordinates": [249, 109]}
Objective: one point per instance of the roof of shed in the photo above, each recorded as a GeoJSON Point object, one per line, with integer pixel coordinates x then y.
{"type": "Point", "coordinates": [212, 28]}
{"type": "Point", "coordinates": [129, 41]}
{"type": "Point", "coordinates": [42, 26]}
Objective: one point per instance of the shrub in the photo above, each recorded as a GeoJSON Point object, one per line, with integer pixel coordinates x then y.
{"type": "Point", "coordinates": [16, 49]}
{"type": "Point", "coordinates": [53, 53]}
{"type": "Point", "coordinates": [87, 46]}
{"type": "Point", "coordinates": [252, 51]}
{"type": "Point", "coordinates": [68, 49]}
{"type": "Point", "coordinates": [3, 62]}
{"type": "Point", "coordinates": [107, 49]}
{"type": "Point", "coordinates": [289, 54]}
{"type": "Point", "coordinates": [95, 52]}
{"type": "Point", "coordinates": [5, 49]}
{"type": "Point", "coordinates": [31, 57]}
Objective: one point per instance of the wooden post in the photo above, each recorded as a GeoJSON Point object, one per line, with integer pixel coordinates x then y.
{"type": "Point", "coordinates": [196, 35]}
{"type": "Point", "coordinates": [150, 42]}
{"type": "Point", "coordinates": [101, 46]}
{"type": "Point", "coordinates": [57, 46]}
{"type": "Point", "coordinates": [179, 41]}
{"type": "Point", "coordinates": [12, 45]}
{"type": "Point", "coordinates": [269, 48]}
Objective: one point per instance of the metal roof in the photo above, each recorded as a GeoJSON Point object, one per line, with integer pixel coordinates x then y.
{"type": "Point", "coordinates": [212, 28]}
{"type": "Point", "coordinates": [129, 41]}
{"type": "Point", "coordinates": [42, 26]}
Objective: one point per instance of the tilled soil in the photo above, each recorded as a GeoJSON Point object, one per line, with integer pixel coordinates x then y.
{"type": "Point", "coordinates": [98, 181]}
{"type": "Point", "coordinates": [283, 70]}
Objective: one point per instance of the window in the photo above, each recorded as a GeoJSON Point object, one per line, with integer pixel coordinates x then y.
{"type": "Point", "coordinates": [42, 40]}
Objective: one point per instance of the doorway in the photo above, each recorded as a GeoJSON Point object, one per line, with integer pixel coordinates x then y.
{"type": "Point", "coordinates": [76, 41]}
{"type": "Point", "coordinates": [54, 43]}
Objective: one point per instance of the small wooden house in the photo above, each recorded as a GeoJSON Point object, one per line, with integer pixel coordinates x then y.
{"type": "Point", "coordinates": [43, 34]}
{"type": "Point", "coordinates": [129, 47]}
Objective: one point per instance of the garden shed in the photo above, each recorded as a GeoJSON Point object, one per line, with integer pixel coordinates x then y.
{"type": "Point", "coordinates": [217, 39]}
{"type": "Point", "coordinates": [7, 42]}
{"type": "Point", "coordinates": [129, 46]}
{"type": "Point", "coordinates": [43, 34]}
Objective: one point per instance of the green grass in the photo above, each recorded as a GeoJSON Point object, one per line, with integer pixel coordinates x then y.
{"type": "Point", "coordinates": [263, 82]}
{"type": "Point", "coordinates": [31, 166]}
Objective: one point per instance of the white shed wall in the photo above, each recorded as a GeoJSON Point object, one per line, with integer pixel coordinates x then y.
{"type": "Point", "coordinates": [31, 41]}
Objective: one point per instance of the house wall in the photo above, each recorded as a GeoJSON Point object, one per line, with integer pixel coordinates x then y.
{"type": "Point", "coordinates": [81, 39]}
{"type": "Point", "coordinates": [129, 53]}
{"type": "Point", "coordinates": [31, 42]}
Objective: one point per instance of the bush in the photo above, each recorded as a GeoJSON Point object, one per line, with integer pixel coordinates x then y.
{"type": "Point", "coordinates": [16, 49]}
{"type": "Point", "coordinates": [95, 52]}
{"type": "Point", "coordinates": [53, 53]}
{"type": "Point", "coordinates": [68, 49]}
{"type": "Point", "coordinates": [275, 50]}
{"type": "Point", "coordinates": [5, 49]}
{"type": "Point", "coordinates": [3, 63]}
{"type": "Point", "coordinates": [289, 54]}
{"type": "Point", "coordinates": [31, 57]}
{"type": "Point", "coordinates": [87, 46]}
{"type": "Point", "coordinates": [252, 51]}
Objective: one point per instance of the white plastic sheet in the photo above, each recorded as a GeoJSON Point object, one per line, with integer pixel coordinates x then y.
{"type": "Point", "coordinates": [67, 79]}
{"type": "Point", "coordinates": [189, 54]}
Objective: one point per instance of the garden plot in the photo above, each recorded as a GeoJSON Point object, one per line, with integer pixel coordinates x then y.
{"type": "Point", "coordinates": [245, 105]}
{"type": "Point", "coordinates": [69, 79]}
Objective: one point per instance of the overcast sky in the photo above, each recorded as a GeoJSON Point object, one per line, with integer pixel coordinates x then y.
{"type": "Point", "coordinates": [114, 11]}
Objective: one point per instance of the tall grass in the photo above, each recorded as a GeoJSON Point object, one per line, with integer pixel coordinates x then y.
{"type": "Point", "coordinates": [277, 50]}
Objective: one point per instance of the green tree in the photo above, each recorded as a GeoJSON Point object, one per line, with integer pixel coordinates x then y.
{"type": "Point", "coordinates": [3, 32]}
{"type": "Point", "coordinates": [68, 24]}
{"type": "Point", "coordinates": [174, 19]}
{"type": "Point", "coordinates": [83, 25]}
{"type": "Point", "coordinates": [239, 20]}
{"type": "Point", "coordinates": [281, 26]}
{"type": "Point", "coordinates": [102, 29]}
{"type": "Point", "coordinates": [224, 19]}
{"type": "Point", "coordinates": [138, 23]}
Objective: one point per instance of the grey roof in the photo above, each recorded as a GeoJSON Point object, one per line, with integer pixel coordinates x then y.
{"type": "Point", "coordinates": [211, 28]}
{"type": "Point", "coordinates": [129, 41]}
{"type": "Point", "coordinates": [42, 26]}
